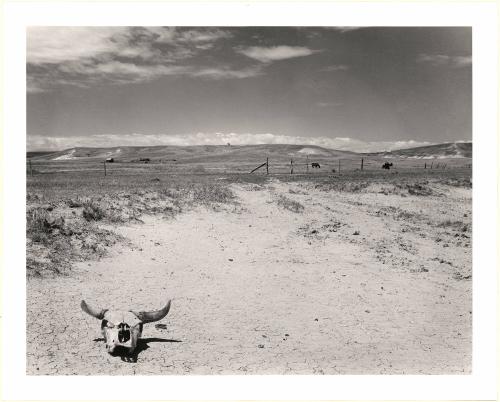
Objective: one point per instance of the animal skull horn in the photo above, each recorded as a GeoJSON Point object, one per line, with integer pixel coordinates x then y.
{"type": "Point", "coordinates": [151, 316]}
{"type": "Point", "coordinates": [99, 314]}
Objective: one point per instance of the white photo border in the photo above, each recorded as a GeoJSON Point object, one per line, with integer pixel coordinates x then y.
{"type": "Point", "coordinates": [481, 384]}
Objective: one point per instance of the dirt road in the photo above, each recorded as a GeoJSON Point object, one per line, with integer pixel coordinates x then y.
{"type": "Point", "coordinates": [357, 283]}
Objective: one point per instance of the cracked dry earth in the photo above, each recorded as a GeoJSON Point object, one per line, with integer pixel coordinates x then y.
{"type": "Point", "coordinates": [259, 289]}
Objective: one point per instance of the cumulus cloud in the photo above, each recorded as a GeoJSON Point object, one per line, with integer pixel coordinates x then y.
{"type": "Point", "coordinates": [81, 56]}
{"type": "Point", "coordinates": [273, 53]}
{"type": "Point", "coordinates": [226, 72]}
{"type": "Point", "coordinates": [53, 45]}
{"type": "Point", "coordinates": [444, 60]}
{"type": "Point", "coordinates": [115, 140]}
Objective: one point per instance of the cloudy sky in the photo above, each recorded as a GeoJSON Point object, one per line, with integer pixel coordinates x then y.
{"type": "Point", "coordinates": [360, 89]}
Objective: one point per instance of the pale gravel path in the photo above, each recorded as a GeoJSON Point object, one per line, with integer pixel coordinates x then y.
{"type": "Point", "coordinates": [325, 304]}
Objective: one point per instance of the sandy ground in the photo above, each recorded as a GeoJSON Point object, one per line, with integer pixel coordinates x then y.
{"type": "Point", "coordinates": [259, 289]}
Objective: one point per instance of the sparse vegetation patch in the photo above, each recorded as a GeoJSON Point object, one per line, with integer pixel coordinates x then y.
{"type": "Point", "coordinates": [289, 204]}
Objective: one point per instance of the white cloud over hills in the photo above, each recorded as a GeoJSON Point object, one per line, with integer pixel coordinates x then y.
{"type": "Point", "coordinates": [273, 53]}
{"type": "Point", "coordinates": [445, 60]}
{"type": "Point", "coordinates": [35, 143]}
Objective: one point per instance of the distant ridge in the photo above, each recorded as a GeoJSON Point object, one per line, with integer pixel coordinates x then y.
{"type": "Point", "coordinates": [439, 151]}
{"type": "Point", "coordinates": [195, 154]}
{"type": "Point", "coordinates": [244, 153]}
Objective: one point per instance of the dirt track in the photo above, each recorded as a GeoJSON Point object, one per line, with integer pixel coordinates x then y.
{"type": "Point", "coordinates": [259, 289]}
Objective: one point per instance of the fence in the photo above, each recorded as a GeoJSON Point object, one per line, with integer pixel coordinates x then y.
{"type": "Point", "coordinates": [272, 165]}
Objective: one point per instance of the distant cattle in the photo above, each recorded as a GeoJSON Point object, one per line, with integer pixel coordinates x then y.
{"type": "Point", "coordinates": [315, 165]}
{"type": "Point", "coordinates": [110, 160]}
{"type": "Point", "coordinates": [387, 165]}
{"type": "Point", "coordinates": [145, 160]}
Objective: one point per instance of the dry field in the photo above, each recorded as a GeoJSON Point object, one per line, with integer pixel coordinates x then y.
{"type": "Point", "coordinates": [351, 273]}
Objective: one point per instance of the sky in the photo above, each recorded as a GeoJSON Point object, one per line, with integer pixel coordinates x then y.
{"type": "Point", "coordinates": [351, 88]}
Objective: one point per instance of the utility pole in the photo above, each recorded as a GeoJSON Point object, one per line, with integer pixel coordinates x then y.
{"type": "Point", "coordinates": [362, 163]}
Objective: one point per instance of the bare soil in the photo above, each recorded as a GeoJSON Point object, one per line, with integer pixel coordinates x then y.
{"type": "Point", "coordinates": [375, 281]}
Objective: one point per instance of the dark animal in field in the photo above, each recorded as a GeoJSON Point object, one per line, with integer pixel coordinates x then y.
{"type": "Point", "coordinates": [315, 165]}
{"type": "Point", "coordinates": [110, 160]}
{"type": "Point", "coordinates": [122, 329]}
{"type": "Point", "coordinates": [387, 165]}
{"type": "Point", "coordinates": [145, 160]}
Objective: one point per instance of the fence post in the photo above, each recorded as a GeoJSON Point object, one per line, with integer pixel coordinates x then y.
{"type": "Point", "coordinates": [362, 163]}
{"type": "Point", "coordinates": [425, 165]}
{"type": "Point", "coordinates": [104, 168]}
{"type": "Point", "coordinates": [307, 163]}
{"type": "Point", "coordinates": [291, 166]}
{"type": "Point", "coordinates": [267, 165]}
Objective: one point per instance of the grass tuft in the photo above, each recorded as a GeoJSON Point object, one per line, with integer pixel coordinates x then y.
{"type": "Point", "coordinates": [290, 204]}
{"type": "Point", "coordinates": [93, 211]}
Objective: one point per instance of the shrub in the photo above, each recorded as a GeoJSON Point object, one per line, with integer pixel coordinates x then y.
{"type": "Point", "coordinates": [36, 228]}
{"type": "Point", "coordinates": [93, 211]}
{"type": "Point", "coordinates": [290, 204]}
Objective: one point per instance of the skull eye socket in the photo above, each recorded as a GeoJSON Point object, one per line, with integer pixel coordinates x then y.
{"type": "Point", "coordinates": [107, 324]}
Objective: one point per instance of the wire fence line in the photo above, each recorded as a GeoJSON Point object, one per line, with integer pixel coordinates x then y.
{"type": "Point", "coordinates": [266, 165]}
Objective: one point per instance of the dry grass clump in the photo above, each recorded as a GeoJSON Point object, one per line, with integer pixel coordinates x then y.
{"type": "Point", "coordinates": [36, 225]}
{"type": "Point", "coordinates": [419, 189]}
{"type": "Point", "coordinates": [454, 225]}
{"type": "Point", "coordinates": [208, 194]}
{"type": "Point", "coordinates": [343, 186]}
{"type": "Point", "coordinates": [53, 242]}
{"type": "Point", "coordinates": [77, 202]}
{"type": "Point", "coordinates": [289, 204]}
{"type": "Point", "coordinates": [464, 182]}
{"type": "Point", "coordinates": [93, 211]}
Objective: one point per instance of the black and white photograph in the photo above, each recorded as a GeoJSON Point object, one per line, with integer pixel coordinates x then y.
{"type": "Point", "coordinates": [275, 190]}
{"type": "Point", "coordinates": [288, 200]}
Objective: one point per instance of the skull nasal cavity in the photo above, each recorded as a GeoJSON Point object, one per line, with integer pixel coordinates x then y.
{"type": "Point", "coordinates": [123, 332]}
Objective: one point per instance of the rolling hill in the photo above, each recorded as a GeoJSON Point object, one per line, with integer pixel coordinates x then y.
{"type": "Point", "coordinates": [246, 153]}
{"type": "Point", "coordinates": [438, 151]}
{"type": "Point", "coordinates": [196, 154]}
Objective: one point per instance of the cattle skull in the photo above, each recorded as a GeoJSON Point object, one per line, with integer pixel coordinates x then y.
{"type": "Point", "coordinates": [122, 329]}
